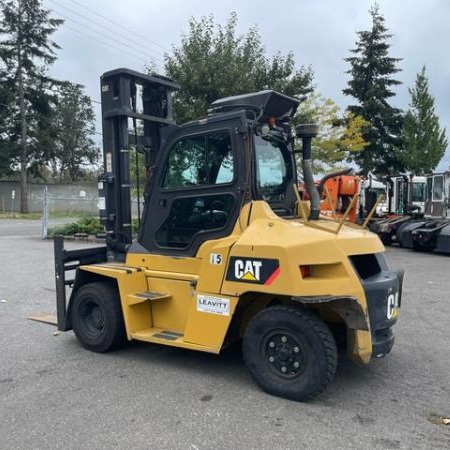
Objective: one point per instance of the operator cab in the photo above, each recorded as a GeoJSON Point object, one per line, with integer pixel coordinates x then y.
{"type": "Point", "coordinates": [199, 174]}
{"type": "Point", "coordinates": [273, 163]}
{"type": "Point", "coordinates": [209, 168]}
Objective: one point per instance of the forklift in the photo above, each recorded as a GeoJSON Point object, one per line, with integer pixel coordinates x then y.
{"type": "Point", "coordinates": [223, 253]}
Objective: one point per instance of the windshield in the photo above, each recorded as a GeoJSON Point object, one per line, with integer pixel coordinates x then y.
{"type": "Point", "coordinates": [273, 169]}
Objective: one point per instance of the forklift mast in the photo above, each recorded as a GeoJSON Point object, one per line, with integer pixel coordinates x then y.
{"type": "Point", "coordinates": [142, 104]}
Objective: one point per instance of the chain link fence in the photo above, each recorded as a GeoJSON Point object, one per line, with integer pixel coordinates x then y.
{"type": "Point", "coordinates": [61, 209]}
{"type": "Point", "coordinates": [55, 204]}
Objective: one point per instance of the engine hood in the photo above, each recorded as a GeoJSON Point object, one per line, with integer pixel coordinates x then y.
{"type": "Point", "coordinates": [319, 240]}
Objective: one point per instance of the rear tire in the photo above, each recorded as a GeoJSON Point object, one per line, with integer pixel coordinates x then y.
{"type": "Point", "coordinates": [290, 353]}
{"type": "Point", "coordinates": [97, 318]}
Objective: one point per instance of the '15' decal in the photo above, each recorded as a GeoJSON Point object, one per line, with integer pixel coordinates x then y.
{"type": "Point", "coordinates": [215, 258]}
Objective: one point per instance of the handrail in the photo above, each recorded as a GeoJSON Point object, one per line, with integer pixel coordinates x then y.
{"type": "Point", "coordinates": [299, 201]}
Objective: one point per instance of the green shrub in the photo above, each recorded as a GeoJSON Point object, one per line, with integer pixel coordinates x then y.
{"type": "Point", "coordinates": [88, 225]}
{"type": "Point", "coordinates": [134, 226]}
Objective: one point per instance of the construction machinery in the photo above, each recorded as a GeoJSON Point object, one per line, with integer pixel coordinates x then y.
{"type": "Point", "coordinates": [421, 213]}
{"type": "Point", "coordinates": [339, 190]}
{"type": "Point", "coordinates": [222, 253]}
{"type": "Point", "coordinates": [406, 194]}
{"type": "Point", "coordinates": [336, 191]}
{"type": "Point", "coordinates": [431, 232]}
{"type": "Point", "coordinates": [405, 205]}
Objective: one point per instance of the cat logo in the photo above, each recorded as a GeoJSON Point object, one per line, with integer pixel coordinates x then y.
{"type": "Point", "coordinates": [247, 270]}
{"type": "Point", "coordinates": [260, 271]}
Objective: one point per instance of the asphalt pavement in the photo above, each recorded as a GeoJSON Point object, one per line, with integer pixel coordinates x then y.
{"type": "Point", "coordinates": [56, 395]}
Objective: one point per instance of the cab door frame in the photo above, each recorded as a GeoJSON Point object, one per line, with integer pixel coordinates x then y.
{"type": "Point", "coordinates": [160, 200]}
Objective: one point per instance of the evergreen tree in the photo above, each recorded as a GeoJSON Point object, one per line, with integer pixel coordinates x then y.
{"type": "Point", "coordinates": [7, 150]}
{"type": "Point", "coordinates": [424, 140]}
{"type": "Point", "coordinates": [212, 62]}
{"type": "Point", "coordinates": [25, 31]}
{"type": "Point", "coordinates": [74, 125]}
{"type": "Point", "coordinates": [371, 85]}
{"type": "Point", "coordinates": [41, 132]}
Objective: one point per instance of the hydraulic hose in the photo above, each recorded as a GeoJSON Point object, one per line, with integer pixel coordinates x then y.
{"type": "Point", "coordinates": [331, 175]}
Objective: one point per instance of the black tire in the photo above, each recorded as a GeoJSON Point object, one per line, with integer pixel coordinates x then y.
{"type": "Point", "coordinates": [97, 318]}
{"type": "Point", "coordinates": [290, 352]}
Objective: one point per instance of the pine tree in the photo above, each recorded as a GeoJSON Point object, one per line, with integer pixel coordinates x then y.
{"type": "Point", "coordinates": [25, 29]}
{"type": "Point", "coordinates": [371, 85]}
{"type": "Point", "coordinates": [7, 149]}
{"type": "Point", "coordinates": [424, 140]}
{"type": "Point", "coordinates": [74, 126]}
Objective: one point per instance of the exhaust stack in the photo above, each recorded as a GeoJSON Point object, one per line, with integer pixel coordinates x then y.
{"type": "Point", "coordinates": [306, 132]}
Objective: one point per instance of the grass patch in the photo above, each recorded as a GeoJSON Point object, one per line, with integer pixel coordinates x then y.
{"type": "Point", "coordinates": [52, 215]}
{"type": "Point", "coordinates": [13, 215]}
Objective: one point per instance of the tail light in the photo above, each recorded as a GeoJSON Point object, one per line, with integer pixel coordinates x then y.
{"type": "Point", "coordinates": [306, 271]}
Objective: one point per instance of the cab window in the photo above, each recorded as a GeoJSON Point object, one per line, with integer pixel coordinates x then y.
{"type": "Point", "coordinates": [200, 161]}
{"type": "Point", "coordinates": [189, 216]}
{"type": "Point", "coordinates": [429, 188]}
{"type": "Point", "coordinates": [438, 188]}
{"type": "Point", "coordinates": [418, 194]}
{"type": "Point", "coordinates": [196, 167]}
{"type": "Point", "coordinates": [271, 169]}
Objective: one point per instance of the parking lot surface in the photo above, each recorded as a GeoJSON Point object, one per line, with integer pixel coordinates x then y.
{"type": "Point", "coordinates": [56, 395]}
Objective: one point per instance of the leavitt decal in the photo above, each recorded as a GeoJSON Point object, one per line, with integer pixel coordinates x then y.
{"type": "Point", "coordinates": [213, 305]}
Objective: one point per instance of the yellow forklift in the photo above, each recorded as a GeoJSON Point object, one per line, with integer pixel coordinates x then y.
{"type": "Point", "coordinates": [226, 250]}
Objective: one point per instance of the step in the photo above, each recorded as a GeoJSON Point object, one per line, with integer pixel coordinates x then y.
{"type": "Point", "coordinates": [155, 334]}
{"type": "Point", "coordinates": [141, 297]}
{"type": "Point", "coordinates": [169, 338]}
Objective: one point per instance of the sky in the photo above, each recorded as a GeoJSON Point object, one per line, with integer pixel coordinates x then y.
{"type": "Point", "coordinates": [101, 35]}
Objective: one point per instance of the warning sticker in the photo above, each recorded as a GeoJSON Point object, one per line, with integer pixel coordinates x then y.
{"type": "Point", "coordinates": [213, 305]}
{"type": "Point", "coordinates": [108, 162]}
{"type": "Point", "coordinates": [101, 203]}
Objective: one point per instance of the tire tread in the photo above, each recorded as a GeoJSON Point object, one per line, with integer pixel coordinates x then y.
{"type": "Point", "coordinates": [107, 292]}
{"type": "Point", "coordinates": [321, 329]}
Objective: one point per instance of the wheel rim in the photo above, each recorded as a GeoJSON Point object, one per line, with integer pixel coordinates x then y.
{"type": "Point", "coordinates": [92, 319]}
{"type": "Point", "coordinates": [284, 354]}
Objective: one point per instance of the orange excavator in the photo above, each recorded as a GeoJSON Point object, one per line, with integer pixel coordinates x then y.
{"type": "Point", "coordinates": [337, 191]}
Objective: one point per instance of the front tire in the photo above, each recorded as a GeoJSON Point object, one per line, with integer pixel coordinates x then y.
{"type": "Point", "coordinates": [97, 317]}
{"type": "Point", "coordinates": [290, 352]}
